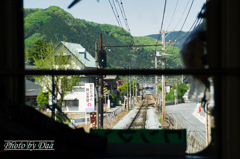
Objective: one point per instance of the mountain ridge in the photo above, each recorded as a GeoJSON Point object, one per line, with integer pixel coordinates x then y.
{"type": "Point", "coordinates": [55, 24]}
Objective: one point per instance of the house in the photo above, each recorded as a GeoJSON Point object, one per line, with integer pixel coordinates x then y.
{"type": "Point", "coordinates": [74, 101]}
{"type": "Point", "coordinates": [31, 92]}
{"type": "Point", "coordinates": [83, 58]}
{"type": "Point", "coordinates": [80, 59]}
{"type": "Point", "coordinates": [110, 81]}
{"type": "Point", "coordinates": [30, 77]}
{"type": "Point", "coordinates": [168, 87]}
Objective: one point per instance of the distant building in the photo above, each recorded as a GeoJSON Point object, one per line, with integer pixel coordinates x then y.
{"type": "Point", "coordinates": [75, 99]}
{"type": "Point", "coordinates": [83, 58]}
{"type": "Point", "coordinates": [31, 92]}
{"type": "Point", "coordinates": [110, 82]}
{"type": "Point", "coordinates": [80, 60]}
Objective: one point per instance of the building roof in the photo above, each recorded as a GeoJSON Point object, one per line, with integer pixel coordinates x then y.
{"type": "Point", "coordinates": [31, 88]}
{"type": "Point", "coordinates": [81, 53]}
{"type": "Point", "coordinates": [110, 77]}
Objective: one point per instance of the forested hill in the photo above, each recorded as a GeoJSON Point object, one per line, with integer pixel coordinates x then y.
{"type": "Point", "coordinates": [172, 36]}
{"type": "Point", "coordinates": [54, 24]}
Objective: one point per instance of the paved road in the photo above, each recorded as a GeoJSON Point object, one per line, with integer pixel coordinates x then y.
{"type": "Point", "coordinates": [194, 122]}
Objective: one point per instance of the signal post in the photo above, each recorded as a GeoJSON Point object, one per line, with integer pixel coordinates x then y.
{"type": "Point", "coordinates": [102, 61]}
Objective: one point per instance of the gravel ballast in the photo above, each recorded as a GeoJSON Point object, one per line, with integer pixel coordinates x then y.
{"type": "Point", "coordinates": [151, 123]}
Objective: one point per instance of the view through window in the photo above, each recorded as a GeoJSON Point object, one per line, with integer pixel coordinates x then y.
{"type": "Point", "coordinates": [148, 37]}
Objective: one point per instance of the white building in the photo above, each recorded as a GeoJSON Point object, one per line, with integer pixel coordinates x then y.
{"type": "Point", "coordinates": [75, 99]}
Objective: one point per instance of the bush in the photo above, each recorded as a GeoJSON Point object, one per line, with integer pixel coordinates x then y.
{"type": "Point", "coordinates": [113, 99]}
{"type": "Point", "coordinates": [182, 89]}
{"type": "Point", "coordinates": [42, 100]}
{"type": "Point", "coordinates": [170, 96]}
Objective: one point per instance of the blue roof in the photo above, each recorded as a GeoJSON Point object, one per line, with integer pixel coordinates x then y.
{"type": "Point", "coordinates": [81, 53]}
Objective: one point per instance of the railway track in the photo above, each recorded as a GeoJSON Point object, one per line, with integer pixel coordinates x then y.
{"type": "Point", "coordinates": [139, 120]}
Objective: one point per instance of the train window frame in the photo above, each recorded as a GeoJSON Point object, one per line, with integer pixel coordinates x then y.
{"type": "Point", "coordinates": [216, 71]}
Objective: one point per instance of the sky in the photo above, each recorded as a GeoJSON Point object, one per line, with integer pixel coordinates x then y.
{"type": "Point", "coordinates": [144, 17]}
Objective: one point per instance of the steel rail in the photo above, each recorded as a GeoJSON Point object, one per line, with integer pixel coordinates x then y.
{"type": "Point", "coordinates": [135, 116]}
{"type": "Point", "coordinates": [145, 116]}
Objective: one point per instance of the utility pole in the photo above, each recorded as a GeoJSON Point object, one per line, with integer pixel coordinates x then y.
{"type": "Point", "coordinates": [101, 83]}
{"type": "Point", "coordinates": [163, 79]}
{"type": "Point", "coordinates": [97, 85]}
{"type": "Point", "coordinates": [127, 93]}
{"type": "Point", "coordinates": [130, 92]}
{"type": "Point", "coordinates": [136, 91]}
{"type": "Point", "coordinates": [208, 107]}
{"type": "Point", "coordinates": [156, 83]}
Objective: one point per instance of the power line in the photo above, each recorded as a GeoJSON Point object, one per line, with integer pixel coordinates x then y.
{"type": "Point", "coordinates": [182, 15]}
{"type": "Point", "coordinates": [195, 24]}
{"type": "Point", "coordinates": [165, 3]}
{"type": "Point", "coordinates": [173, 15]}
{"type": "Point", "coordinates": [185, 19]}
{"type": "Point", "coordinates": [122, 13]}
{"type": "Point", "coordinates": [114, 13]}
{"type": "Point", "coordinates": [180, 18]}
{"type": "Point", "coordinates": [117, 13]}
{"type": "Point", "coordinates": [133, 45]}
{"type": "Point", "coordinates": [124, 16]}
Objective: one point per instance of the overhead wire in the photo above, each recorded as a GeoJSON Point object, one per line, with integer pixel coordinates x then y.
{"type": "Point", "coordinates": [179, 19]}
{"type": "Point", "coordinates": [124, 16]}
{"type": "Point", "coordinates": [165, 3]}
{"type": "Point", "coordinates": [117, 13]}
{"type": "Point", "coordinates": [182, 15]}
{"type": "Point", "coordinates": [195, 24]}
{"type": "Point", "coordinates": [173, 15]}
{"type": "Point", "coordinates": [185, 19]}
{"type": "Point", "coordinates": [114, 13]}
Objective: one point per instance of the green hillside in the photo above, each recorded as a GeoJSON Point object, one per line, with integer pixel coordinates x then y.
{"type": "Point", "coordinates": [172, 36]}
{"type": "Point", "coordinates": [54, 24]}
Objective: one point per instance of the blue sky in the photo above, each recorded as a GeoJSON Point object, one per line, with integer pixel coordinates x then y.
{"type": "Point", "coordinates": [144, 16]}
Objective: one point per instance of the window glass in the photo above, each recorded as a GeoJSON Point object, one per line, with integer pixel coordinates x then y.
{"type": "Point", "coordinates": [149, 37]}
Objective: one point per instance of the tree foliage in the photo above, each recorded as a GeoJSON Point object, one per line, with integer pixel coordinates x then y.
{"type": "Point", "coordinates": [182, 89]}
{"type": "Point", "coordinates": [42, 100]}
{"type": "Point", "coordinates": [113, 99]}
{"type": "Point", "coordinates": [56, 59]}
{"type": "Point", "coordinates": [123, 88]}
{"type": "Point", "coordinates": [38, 51]}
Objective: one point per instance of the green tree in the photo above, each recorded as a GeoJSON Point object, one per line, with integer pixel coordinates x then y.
{"type": "Point", "coordinates": [38, 51]}
{"type": "Point", "coordinates": [42, 100]}
{"type": "Point", "coordinates": [113, 99]}
{"type": "Point", "coordinates": [182, 89]}
{"type": "Point", "coordinates": [123, 89]}
{"type": "Point", "coordinates": [57, 59]}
